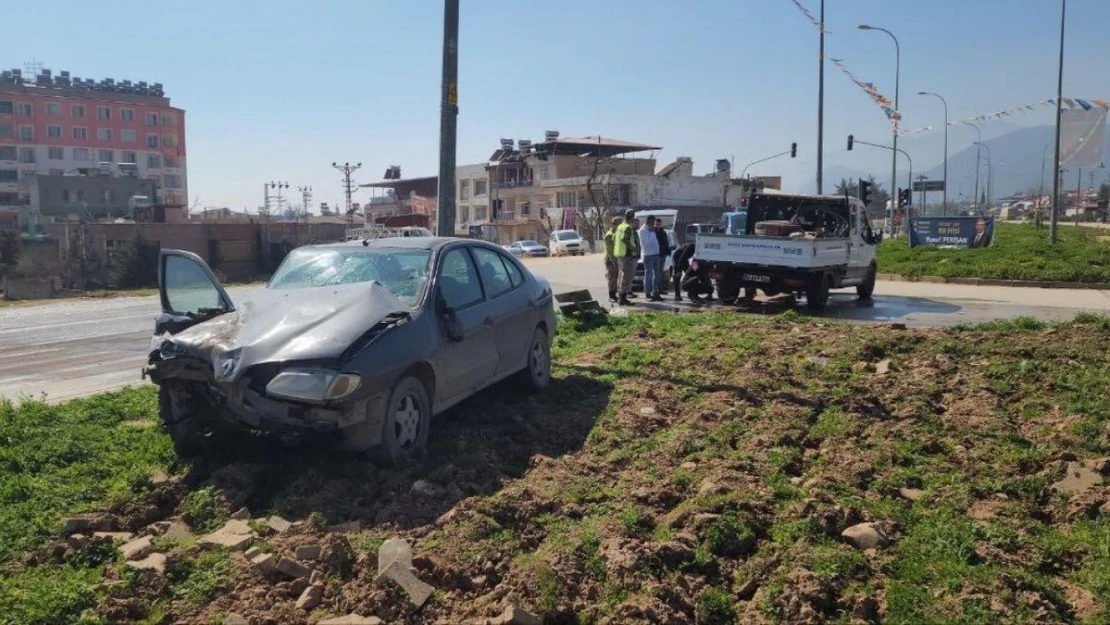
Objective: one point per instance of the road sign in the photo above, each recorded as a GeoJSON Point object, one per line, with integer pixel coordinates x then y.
{"type": "Point", "coordinates": [928, 185]}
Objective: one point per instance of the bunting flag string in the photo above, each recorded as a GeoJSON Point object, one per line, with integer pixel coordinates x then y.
{"type": "Point", "coordinates": [1070, 103]}
{"type": "Point", "coordinates": [884, 103]}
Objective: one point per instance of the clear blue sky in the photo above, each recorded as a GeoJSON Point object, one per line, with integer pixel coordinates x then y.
{"type": "Point", "coordinates": [280, 89]}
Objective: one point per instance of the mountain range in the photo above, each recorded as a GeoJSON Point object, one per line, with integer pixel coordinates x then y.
{"type": "Point", "coordinates": [1018, 154]}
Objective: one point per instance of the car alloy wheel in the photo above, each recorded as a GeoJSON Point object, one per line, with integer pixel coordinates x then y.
{"type": "Point", "coordinates": [536, 374]}
{"type": "Point", "coordinates": [407, 419]}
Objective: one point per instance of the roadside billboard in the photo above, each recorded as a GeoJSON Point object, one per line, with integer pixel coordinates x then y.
{"type": "Point", "coordinates": [960, 232]}
{"type": "Point", "coordinates": [1082, 137]}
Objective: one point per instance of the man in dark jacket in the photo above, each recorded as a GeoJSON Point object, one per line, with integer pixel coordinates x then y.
{"type": "Point", "coordinates": [687, 274]}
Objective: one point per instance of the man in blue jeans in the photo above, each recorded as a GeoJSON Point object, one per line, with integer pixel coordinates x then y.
{"type": "Point", "coordinates": [653, 262]}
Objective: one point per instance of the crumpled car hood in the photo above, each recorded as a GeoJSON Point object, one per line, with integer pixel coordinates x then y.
{"type": "Point", "coordinates": [278, 325]}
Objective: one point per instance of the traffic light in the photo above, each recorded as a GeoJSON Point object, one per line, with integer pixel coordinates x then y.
{"type": "Point", "coordinates": [851, 139]}
{"type": "Point", "coordinates": [865, 192]}
{"type": "Point", "coordinates": [903, 198]}
{"type": "Point", "coordinates": [793, 150]}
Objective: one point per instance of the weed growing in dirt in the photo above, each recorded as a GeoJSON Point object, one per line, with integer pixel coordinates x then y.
{"type": "Point", "coordinates": [714, 607]}
{"type": "Point", "coordinates": [198, 580]}
{"type": "Point", "coordinates": [634, 522]}
{"type": "Point", "coordinates": [205, 510]}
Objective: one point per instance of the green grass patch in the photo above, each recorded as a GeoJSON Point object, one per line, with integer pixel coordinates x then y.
{"type": "Point", "coordinates": [1020, 252]}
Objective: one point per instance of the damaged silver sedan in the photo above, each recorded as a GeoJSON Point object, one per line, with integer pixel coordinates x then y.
{"type": "Point", "coordinates": [365, 341]}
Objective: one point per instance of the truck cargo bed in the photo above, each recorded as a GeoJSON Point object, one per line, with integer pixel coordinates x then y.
{"type": "Point", "coordinates": [772, 251]}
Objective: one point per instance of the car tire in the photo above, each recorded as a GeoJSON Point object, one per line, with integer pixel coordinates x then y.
{"type": "Point", "coordinates": [536, 374]}
{"type": "Point", "coordinates": [407, 421]}
{"type": "Point", "coordinates": [817, 292]}
{"type": "Point", "coordinates": [750, 293]}
{"type": "Point", "coordinates": [183, 426]}
{"type": "Point", "coordinates": [865, 290]}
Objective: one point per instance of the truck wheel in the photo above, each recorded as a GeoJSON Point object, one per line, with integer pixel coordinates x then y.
{"type": "Point", "coordinates": [868, 287]}
{"type": "Point", "coordinates": [817, 292]}
{"type": "Point", "coordinates": [728, 293]}
{"type": "Point", "coordinates": [749, 293]}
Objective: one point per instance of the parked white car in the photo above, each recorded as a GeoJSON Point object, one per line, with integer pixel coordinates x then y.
{"type": "Point", "coordinates": [564, 242]}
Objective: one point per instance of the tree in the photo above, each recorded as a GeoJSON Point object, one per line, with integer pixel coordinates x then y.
{"type": "Point", "coordinates": [596, 217]}
{"type": "Point", "coordinates": [9, 252]}
{"type": "Point", "coordinates": [135, 266]}
{"type": "Point", "coordinates": [876, 207]}
{"type": "Point", "coordinates": [82, 266]}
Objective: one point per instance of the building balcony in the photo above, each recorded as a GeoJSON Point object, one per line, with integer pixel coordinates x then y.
{"type": "Point", "coordinates": [510, 184]}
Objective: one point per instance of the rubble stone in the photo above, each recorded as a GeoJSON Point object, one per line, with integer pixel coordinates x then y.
{"type": "Point", "coordinates": [1078, 479]}
{"type": "Point", "coordinates": [688, 466]}
{"type": "Point", "coordinates": [135, 549]}
{"type": "Point", "coordinates": [77, 542]}
{"type": "Point", "coordinates": [349, 527]}
{"type": "Point", "coordinates": [310, 598]}
{"type": "Point", "coordinates": [88, 522]}
{"type": "Point", "coordinates": [352, 619]}
{"type": "Point", "coordinates": [252, 553]}
{"type": "Point", "coordinates": [394, 550]}
{"type": "Point", "coordinates": [235, 535]}
{"type": "Point", "coordinates": [865, 536]}
{"type": "Point", "coordinates": [309, 552]}
{"type": "Point", "coordinates": [278, 524]}
{"type": "Point", "coordinates": [417, 590]}
{"type": "Point", "coordinates": [265, 562]}
{"type": "Point", "coordinates": [242, 514]}
{"type": "Point", "coordinates": [292, 568]}
{"type": "Point", "coordinates": [231, 618]}
{"type": "Point", "coordinates": [153, 562]}
{"type": "Point", "coordinates": [515, 616]}
{"type": "Point", "coordinates": [882, 367]}
{"type": "Point", "coordinates": [179, 532]}
{"type": "Point", "coordinates": [113, 536]}
{"type": "Point", "coordinates": [911, 494]}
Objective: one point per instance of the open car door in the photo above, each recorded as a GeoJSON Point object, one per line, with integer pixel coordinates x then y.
{"type": "Point", "coordinates": [189, 291]}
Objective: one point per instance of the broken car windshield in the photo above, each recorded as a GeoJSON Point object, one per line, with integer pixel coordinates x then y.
{"type": "Point", "coordinates": [402, 271]}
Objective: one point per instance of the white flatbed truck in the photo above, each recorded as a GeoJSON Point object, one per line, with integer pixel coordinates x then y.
{"type": "Point", "coordinates": [831, 246]}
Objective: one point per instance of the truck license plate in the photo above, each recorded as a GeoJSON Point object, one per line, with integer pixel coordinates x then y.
{"type": "Point", "coordinates": [748, 277]}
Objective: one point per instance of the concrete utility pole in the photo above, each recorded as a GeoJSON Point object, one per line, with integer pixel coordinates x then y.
{"type": "Point", "coordinates": [347, 170]}
{"type": "Point", "coordinates": [448, 121]}
{"type": "Point", "coordinates": [1056, 160]}
{"type": "Point", "coordinates": [306, 201]}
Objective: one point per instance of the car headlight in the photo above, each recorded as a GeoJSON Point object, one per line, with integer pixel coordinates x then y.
{"type": "Point", "coordinates": [313, 385]}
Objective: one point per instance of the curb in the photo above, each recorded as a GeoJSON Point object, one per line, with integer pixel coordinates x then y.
{"type": "Point", "coordinates": [1042, 284]}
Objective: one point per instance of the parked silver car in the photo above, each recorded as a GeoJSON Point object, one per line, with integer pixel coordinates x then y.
{"type": "Point", "coordinates": [367, 340]}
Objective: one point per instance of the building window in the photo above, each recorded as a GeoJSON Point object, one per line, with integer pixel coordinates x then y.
{"type": "Point", "coordinates": [151, 119]}
{"type": "Point", "coordinates": [168, 120]}
{"type": "Point", "coordinates": [464, 190]}
{"type": "Point", "coordinates": [9, 175]}
{"type": "Point", "coordinates": [171, 181]}
{"type": "Point", "coordinates": [169, 161]}
{"type": "Point", "coordinates": [479, 213]}
{"type": "Point", "coordinates": [169, 141]}
{"type": "Point", "coordinates": [8, 153]}
{"type": "Point", "coordinates": [103, 112]}
{"type": "Point", "coordinates": [128, 136]}
{"type": "Point", "coordinates": [104, 134]}
{"type": "Point", "coordinates": [479, 188]}
{"type": "Point", "coordinates": [7, 130]}
{"type": "Point", "coordinates": [108, 196]}
{"type": "Point", "coordinates": [26, 155]}
{"type": "Point", "coordinates": [80, 154]}
{"type": "Point", "coordinates": [80, 133]}
{"type": "Point", "coordinates": [67, 197]}
{"type": "Point", "coordinates": [25, 109]}
{"type": "Point", "coordinates": [26, 133]}
{"type": "Point", "coordinates": [152, 141]}
{"type": "Point", "coordinates": [7, 107]}
{"type": "Point", "coordinates": [57, 172]}
{"type": "Point", "coordinates": [567, 199]}
{"type": "Point", "coordinates": [106, 156]}
{"type": "Point", "coordinates": [128, 157]}
{"type": "Point", "coordinates": [54, 132]}
{"type": "Point", "coordinates": [127, 115]}
{"type": "Point", "coordinates": [525, 208]}
{"type": "Point", "coordinates": [154, 161]}
{"type": "Point", "coordinates": [77, 111]}
{"type": "Point", "coordinates": [55, 153]}
{"type": "Point", "coordinates": [53, 108]}
{"type": "Point", "coordinates": [464, 215]}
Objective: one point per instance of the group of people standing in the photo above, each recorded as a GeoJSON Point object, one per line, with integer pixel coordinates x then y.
{"type": "Point", "coordinates": [627, 241]}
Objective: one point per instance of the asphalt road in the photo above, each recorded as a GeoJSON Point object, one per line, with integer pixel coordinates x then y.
{"type": "Point", "coordinates": [70, 348]}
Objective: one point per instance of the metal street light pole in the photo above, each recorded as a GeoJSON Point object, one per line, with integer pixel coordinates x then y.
{"type": "Point", "coordinates": [1044, 162]}
{"type": "Point", "coordinates": [1056, 159]}
{"type": "Point", "coordinates": [990, 175]}
{"type": "Point", "coordinates": [894, 155]}
{"type": "Point", "coordinates": [821, 106]}
{"type": "Point", "coordinates": [937, 95]}
{"type": "Point", "coordinates": [978, 157]}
